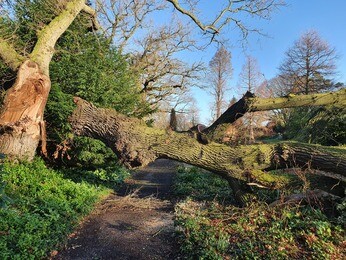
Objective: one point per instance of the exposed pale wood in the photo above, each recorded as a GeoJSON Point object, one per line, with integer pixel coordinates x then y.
{"type": "Point", "coordinates": [22, 112]}
{"type": "Point", "coordinates": [21, 120]}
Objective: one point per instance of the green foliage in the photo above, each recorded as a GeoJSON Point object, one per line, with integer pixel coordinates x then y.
{"type": "Point", "coordinates": [87, 66]}
{"type": "Point", "coordinates": [200, 237]}
{"type": "Point", "coordinates": [342, 209]}
{"type": "Point", "coordinates": [200, 185]}
{"type": "Point", "coordinates": [84, 65]}
{"type": "Point", "coordinates": [29, 17]}
{"type": "Point", "coordinates": [322, 125]}
{"type": "Point", "coordinates": [110, 176]}
{"type": "Point", "coordinates": [4, 199]}
{"type": "Point", "coordinates": [92, 154]}
{"type": "Point", "coordinates": [59, 108]}
{"type": "Point", "coordinates": [45, 206]}
{"type": "Point", "coordinates": [209, 230]}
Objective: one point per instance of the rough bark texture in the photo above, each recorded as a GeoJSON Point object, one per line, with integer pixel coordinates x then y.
{"type": "Point", "coordinates": [22, 112]}
{"type": "Point", "coordinates": [137, 145]}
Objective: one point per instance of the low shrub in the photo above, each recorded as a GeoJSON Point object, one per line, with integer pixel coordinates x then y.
{"type": "Point", "coordinates": [211, 231]}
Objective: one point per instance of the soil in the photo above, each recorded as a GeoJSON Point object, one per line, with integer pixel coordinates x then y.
{"type": "Point", "coordinates": [133, 223]}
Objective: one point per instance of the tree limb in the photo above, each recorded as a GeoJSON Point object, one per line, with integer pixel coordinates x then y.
{"type": "Point", "coordinates": [48, 36]}
{"type": "Point", "coordinates": [91, 11]}
{"type": "Point", "coordinates": [229, 13]}
{"type": "Point", "coordinates": [250, 103]}
{"type": "Point", "coordinates": [311, 196]}
{"type": "Point", "coordinates": [194, 18]}
{"type": "Point", "coordinates": [330, 98]}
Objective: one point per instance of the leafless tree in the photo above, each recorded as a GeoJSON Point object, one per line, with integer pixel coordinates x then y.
{"type": "Point", "coordinates": [309, 65]}
{"type": "Point", "coordinates": [250, 79]}
{"type": "Point", "coordinates": [122, 19]}
{"type": "Point", "coordinates": [230, 13]}
{"type": "Point", "coordinates": [162, 73]}
{"type": "Point", "coordinates": [220, 71]}
{"type": "Point", "coordinates": [185, 109]}
{"type": "Point", "coordinates": [155, 59]}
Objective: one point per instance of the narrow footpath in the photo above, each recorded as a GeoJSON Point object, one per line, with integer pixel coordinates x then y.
{"type": "Point", "coordinates": [134, 223]}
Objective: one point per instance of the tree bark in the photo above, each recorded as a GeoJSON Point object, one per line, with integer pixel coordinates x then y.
{"type": "Point", "coordinates": [136, 145]}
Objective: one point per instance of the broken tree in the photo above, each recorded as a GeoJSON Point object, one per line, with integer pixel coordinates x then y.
{"type": "Point", "coordinates": [136, 144]}
{"type": "Point", "coordinates": [21, 119]}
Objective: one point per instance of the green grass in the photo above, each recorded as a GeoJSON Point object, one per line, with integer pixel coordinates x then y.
{"type": "Point", "coordinates": [208, 229]}
{"type": "Point", "coordinates": [40, 206]}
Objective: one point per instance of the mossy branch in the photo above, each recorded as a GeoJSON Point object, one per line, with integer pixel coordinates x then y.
{"type": "Point", "coordinates": [250, 103]}
{"type": "Point", "coordinates": [337, 98]}
{"type": "Point", "coordinates": [48, 36]}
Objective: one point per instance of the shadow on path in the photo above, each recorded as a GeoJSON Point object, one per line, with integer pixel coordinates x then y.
{"type": "Point", "coordinates": [134, 223]}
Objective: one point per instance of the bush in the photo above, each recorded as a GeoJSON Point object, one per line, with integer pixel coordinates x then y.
{"type": "Point", "coordinates": [211, 231]}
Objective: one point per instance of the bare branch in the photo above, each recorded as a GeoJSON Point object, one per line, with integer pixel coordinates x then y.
{"type": "Point", "coordinates": [122, 19]}
{"type": "Point", "coordinates": [161, 72]}
{"type": "Point", "coordinates": [254, 8]}
{"type": "Point", "coordinates": [194, 18]}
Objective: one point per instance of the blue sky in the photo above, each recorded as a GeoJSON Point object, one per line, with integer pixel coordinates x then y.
{"type": "Point", "coordinates": [286, 26]}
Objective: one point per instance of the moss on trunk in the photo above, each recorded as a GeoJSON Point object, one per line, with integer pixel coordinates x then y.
{"type": "Point", "coordinates": [137, 144]}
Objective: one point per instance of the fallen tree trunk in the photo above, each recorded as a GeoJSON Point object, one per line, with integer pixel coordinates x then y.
{"type": "Point", "coordinates": [137, 144]}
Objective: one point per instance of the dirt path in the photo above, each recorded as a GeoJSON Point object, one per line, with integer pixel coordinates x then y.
{"type": "Point", "coordinates": [135, 223]}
